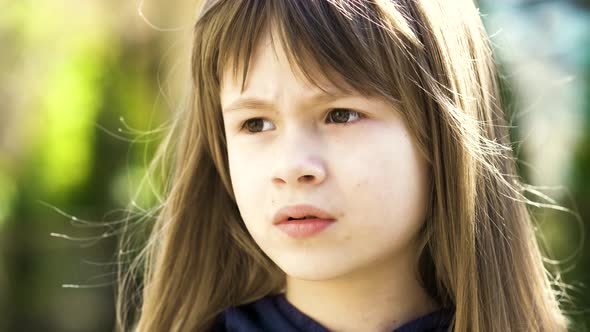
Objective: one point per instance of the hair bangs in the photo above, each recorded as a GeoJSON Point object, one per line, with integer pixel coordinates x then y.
{"type": "Point", "coordinates": [341, 42]}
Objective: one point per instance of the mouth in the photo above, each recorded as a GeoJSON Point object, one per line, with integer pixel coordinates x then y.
{"type": "Point", "coordinates": [304, 218]}
{"type": "Point", "coordinates": [302, 221]}
{"type": "Point", "coordinates": [301, 213]}
{"type": "Point", "coordinates": [308, 226]}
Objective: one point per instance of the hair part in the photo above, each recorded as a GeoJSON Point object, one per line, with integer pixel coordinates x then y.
{"type": "Point", "coordinates": [432, 60]}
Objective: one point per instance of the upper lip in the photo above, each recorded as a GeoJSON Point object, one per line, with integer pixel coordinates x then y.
{"type": "Point", "coordinates": [300, 211]}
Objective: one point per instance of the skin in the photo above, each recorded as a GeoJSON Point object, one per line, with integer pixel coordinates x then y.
{"type": "Point", "coordinates": [361, 165]}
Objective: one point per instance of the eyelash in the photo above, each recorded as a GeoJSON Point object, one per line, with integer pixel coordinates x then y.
{"type": "Point", "coordinates": [360, 116]}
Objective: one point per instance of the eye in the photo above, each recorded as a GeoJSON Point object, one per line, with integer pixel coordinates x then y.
{"type": "Point", "coordinates": [254, 125]}
{"type": "Point", "coordinates": [341, 116]}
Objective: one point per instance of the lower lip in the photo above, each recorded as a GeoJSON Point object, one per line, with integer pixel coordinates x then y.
{"type": "Point", "coordinates": [304, 228]}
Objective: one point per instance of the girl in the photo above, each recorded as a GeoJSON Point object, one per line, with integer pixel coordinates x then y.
{"type": "Point", "coordinates": [344, 165]}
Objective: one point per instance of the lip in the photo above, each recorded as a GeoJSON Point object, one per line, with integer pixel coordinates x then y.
{"type": "Point", "coordinates": [300, 211]}
{"type": "Point", "coordinates": [305, 227]}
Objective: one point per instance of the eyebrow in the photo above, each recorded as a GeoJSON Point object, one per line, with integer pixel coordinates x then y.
{"type": "Point", "coordinates": [258, 103]}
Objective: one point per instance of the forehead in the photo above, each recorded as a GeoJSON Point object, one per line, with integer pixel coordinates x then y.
{"type": "Point", "coordinates": [271, 65]}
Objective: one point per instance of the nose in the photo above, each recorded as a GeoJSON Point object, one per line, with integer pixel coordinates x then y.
{"type": "Point", "coordinates": [298, 160]}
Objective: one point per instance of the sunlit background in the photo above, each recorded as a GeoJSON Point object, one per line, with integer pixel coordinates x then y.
{"type": "Point", "coordinates": [84, 86]}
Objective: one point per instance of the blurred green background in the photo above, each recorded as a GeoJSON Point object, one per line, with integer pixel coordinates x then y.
{"type": "Point", "coordinates": [85, 84]}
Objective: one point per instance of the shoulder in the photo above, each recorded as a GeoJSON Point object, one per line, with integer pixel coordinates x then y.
{"type": "Point", "coordinates": [218, 324]}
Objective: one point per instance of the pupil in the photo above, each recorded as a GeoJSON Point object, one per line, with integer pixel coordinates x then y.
{"type": "Point", "coordinates": [341, 115]}
{"type": "Point", "coordinates": [254, 127]}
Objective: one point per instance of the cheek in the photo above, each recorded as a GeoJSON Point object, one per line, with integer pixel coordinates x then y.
{"type": "Point", "coordinates": [246, 182]}
{"type": "Point", "coordinates": [394, 188]}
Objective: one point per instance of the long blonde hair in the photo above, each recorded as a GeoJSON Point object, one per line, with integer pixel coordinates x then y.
{"type": "Point", "coordinates": [479, 252]}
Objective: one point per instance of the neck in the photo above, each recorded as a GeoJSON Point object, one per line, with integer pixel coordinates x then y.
{"type": "Point", "coordinates": [377, 298]}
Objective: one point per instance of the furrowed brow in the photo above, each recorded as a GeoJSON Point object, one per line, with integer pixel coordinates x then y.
{"type": "Point", "coordinates": [250, 103]}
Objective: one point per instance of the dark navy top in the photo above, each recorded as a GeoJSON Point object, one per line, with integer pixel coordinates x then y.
{"type": "Point", "coordinates": [274, 313]}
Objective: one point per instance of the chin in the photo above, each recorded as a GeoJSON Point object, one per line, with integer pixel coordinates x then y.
{"type": "Point", "coordinates": [312, 271]}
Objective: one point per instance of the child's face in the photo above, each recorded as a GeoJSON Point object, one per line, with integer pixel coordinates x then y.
{"type": "Point", "coordinates": [368, 173]}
